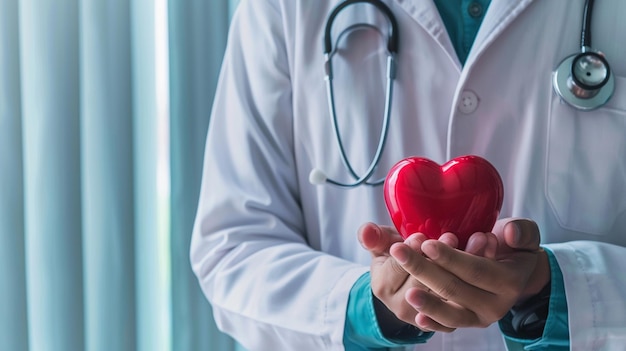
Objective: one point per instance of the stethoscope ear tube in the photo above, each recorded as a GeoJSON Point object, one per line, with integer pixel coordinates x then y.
{"type": "Point", "coordinates": [392, 42]}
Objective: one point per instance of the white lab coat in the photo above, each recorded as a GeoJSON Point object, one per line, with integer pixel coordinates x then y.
{"type": "Point", "coordinates": [276, 256]}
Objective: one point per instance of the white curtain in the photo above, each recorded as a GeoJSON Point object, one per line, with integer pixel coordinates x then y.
{"type": "Point", "coordinates": [104, 106]}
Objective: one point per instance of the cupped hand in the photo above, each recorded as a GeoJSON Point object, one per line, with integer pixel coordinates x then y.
{"type": "Point", "coordinates": [390, 282]}
{"type": "Point", "coordinates": [467, 290]}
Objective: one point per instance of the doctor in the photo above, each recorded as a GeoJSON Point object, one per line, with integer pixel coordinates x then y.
{"type": "Point", "coordinates": [278, 257]}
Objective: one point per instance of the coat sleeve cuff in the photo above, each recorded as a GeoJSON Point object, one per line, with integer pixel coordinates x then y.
{"type": "Point", "coordinates": [362, 329]}
{"type": "Point", "coordinates": [556, 331]}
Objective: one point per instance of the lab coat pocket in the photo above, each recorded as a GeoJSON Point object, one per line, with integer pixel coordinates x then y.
{"type": "Point", "coordinates": [586, 164]}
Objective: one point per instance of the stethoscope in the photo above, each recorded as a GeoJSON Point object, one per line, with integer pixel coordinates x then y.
{"type": "Point", "coordinates": [582, 80]}
{"type": "Point", "coordinates": [317, 176]}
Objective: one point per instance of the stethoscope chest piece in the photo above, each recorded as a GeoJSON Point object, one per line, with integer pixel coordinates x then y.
{"type": "Point", "coordinates": [584, 80]}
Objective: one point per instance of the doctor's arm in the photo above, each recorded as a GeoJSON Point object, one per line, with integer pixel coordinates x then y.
{"type": "Point", "coordinates": [268, 287]}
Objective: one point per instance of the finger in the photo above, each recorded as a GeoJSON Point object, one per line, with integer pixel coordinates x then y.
{"type": "Point", "coordinates": [436, 314]}
{"type": "Point", "coordinates": [522, 234]}
{"type": "Point", "coordinates": [477, 244]}
{"type": "Point", "coordinates": [449, 239]}
{"type": "Point", "coordinates": [427, 324]}
{"type": "Point", "coordinates": [482, 244]}
{"type": "Point", "coordinates": [491, 250]}
{"type": "Point", "coordinates": [415, 241]}
{"type": "Point", "coordinates": [442, 282]}
{"type": "Point", "coordinates": [377, 239]}
{"type": "Point", "coordinates": [518, 233]}
{"type": "Point", "coordinates": [483, 278]}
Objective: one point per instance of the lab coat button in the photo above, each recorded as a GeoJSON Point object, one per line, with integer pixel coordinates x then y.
{"type": "Point", "coordinates": [468, 102]}
{"type": "Point", "coordinates": [475, 9]}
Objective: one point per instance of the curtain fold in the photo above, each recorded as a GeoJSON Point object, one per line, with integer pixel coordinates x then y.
{"type": "Point", "coordinates": [13, 320]}
{"type": "Point", "coordinates": [52, 184]}
{"type": "Point", "coordinates": [98, 188]}
{"type": "Point", "coordinates": [108, 214]}
{"type": "Point", "coordinates": [152, 261]}
{"type": "Point", "coordinates": [196, 35]}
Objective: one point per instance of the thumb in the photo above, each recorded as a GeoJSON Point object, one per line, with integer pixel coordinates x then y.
{"type": "Point", "coordinates": [519, 233]}
{"type": "Point", "coordinates": [377, 239]}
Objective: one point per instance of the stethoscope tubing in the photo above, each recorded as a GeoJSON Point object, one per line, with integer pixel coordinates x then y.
{"type": "Point", "coordinates": [585, 33]}
{"type": "Point", "coordinates": [392, 43]}
{"type": "Point", "coordinates": [382, 141]}
{"type": "Point", "coordinates": [392, 48]}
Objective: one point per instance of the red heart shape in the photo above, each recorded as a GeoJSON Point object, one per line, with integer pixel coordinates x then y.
{"type": "Point", "coordinates": [463, 196]}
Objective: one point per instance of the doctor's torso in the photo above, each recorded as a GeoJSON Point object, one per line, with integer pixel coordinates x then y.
{"type": "Point", "coordinates": [564, 168]}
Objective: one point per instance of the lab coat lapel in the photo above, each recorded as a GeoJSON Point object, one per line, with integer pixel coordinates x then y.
{"type": "Point", "coordinates": [425, 13]}
{"type": "Point", "coordinates": [499, 16]}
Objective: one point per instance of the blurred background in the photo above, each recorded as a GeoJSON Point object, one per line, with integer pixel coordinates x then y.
{"type": "Point", "coordinates": [104, 106]}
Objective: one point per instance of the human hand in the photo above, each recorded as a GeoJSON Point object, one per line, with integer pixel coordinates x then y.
{"type": "Point", "coordinates": [474, 291]}
{"type": "Point", "coordinates": [389, 281]}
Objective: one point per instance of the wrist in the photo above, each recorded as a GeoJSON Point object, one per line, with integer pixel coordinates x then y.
{"type": "Point", "coordinates": [391, 327]}
{"type": "Point", "coordinates": [528, 319]}
{"type": "Point", "coordinates": [539, 279]}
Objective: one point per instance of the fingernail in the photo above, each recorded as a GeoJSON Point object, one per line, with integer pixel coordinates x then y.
{"type": "Point", "coordinates": [518, 233]}
{"type": "Point", "coordinates": [430, 249]}
{"type": "Point", "coordinates": [376, 230]}
{"type": "Point", "coordinates": [410, 241]}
